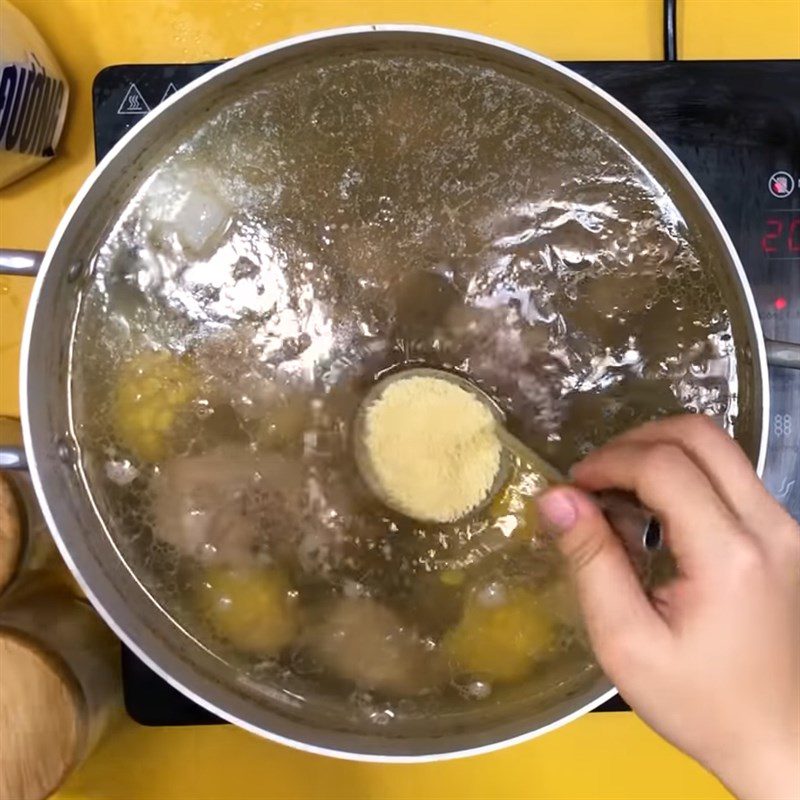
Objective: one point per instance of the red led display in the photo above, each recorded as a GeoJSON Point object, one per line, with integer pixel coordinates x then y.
{"type": "Point", "coordinates": [782, 237]}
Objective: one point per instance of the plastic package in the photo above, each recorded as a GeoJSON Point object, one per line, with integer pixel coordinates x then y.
{"type": "Point", "coordinates": [33, 97]}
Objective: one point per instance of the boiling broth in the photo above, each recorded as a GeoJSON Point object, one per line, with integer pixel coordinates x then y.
{"type": "Point", "coordinates": [323, 224]}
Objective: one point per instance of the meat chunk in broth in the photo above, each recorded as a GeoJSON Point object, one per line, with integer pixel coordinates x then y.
{"type": "Point", "coordinates": [367, 643]}
{"type": "Point", "coordinates": [211, 507]}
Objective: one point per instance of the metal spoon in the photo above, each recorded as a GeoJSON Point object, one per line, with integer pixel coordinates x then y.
{"type": "Point", "coordinates": [635, 525]}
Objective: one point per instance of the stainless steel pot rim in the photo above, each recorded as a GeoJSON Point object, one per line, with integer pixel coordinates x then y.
{"type": "Point", "coordinates": [354, 33]}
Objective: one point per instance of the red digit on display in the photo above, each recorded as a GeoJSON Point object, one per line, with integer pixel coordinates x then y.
{"type": "Point", "coordinates": [775, 229]}
{"type": "Point", "coordinates": [794, 236]}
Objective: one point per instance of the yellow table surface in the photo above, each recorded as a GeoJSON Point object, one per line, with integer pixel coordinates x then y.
{"type": "Point", "coordinates": [600, 756]}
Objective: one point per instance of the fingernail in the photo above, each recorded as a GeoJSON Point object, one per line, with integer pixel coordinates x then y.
{"type": "Point", "coordinates": [558, 509]}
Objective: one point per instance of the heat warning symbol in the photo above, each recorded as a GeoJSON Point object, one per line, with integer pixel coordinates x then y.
{"type": "Point", "coordinates": [171, 89]}
{"type": "Point", "coordinates": [133, 102]}
{"type": "Point", "coordinates": [781, 184]}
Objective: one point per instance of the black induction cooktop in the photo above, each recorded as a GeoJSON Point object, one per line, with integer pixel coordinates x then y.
{"type": "Point", "coordinates": [734, 124]}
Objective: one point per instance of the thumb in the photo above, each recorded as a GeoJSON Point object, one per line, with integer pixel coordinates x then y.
{"type": "Point", "coordinates": [615, 607]}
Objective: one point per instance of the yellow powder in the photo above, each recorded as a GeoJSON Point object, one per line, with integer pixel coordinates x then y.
{"type": "Point", "coordinates": [432, 448]}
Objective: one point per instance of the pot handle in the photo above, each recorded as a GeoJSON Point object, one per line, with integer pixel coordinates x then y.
{"type": "Point", "coordinates": [20, 262]}
{"type": "Point", "coordinates": [12, 453]}
{"type": "Point", "coordinates": [783, 354]}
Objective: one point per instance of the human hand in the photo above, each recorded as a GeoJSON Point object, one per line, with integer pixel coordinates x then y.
{"type": "Point", "coordinates": [711, 659]}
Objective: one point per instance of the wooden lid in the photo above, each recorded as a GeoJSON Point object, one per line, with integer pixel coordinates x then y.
{"type": "Point", "coordinates": [41, 720]}
{"type": "Point", "coordinates": [10, 532]}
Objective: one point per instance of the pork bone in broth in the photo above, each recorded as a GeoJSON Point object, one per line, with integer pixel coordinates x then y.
{"type": "Point", "coordinates": [326, 222]}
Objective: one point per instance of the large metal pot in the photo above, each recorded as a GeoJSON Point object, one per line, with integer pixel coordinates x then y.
{"type": "Point", "coordinates": [89, 551]}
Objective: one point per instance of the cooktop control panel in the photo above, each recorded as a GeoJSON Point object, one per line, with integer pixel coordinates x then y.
{"type": "Point", "coordinates": [734, 124]}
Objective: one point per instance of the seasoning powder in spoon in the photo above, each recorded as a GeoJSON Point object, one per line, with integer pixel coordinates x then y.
{"type": "Point", "coordinates": [432, 447]}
